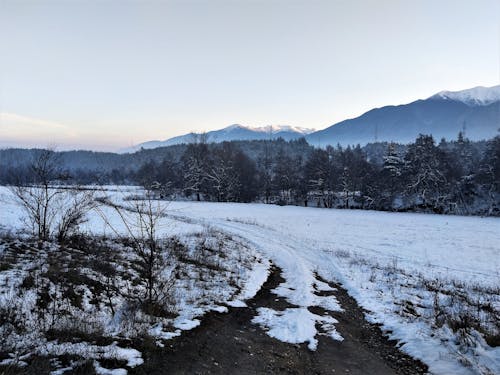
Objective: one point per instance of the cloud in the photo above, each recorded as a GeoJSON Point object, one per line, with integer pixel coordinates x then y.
{"type": "Point", "coordinates": [25, 129]}
{"type": "Point", "coordinates": [12, 124]}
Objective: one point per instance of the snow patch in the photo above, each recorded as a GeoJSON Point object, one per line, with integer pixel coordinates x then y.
{"type": "Point", "coordinates": [257, 278]}
{"type": "Point", "coordinates": [186, 324]}
{"type": "Point", "coordinates": [104, 371]}
{"type": "Point", "coordinates": [295, 325]}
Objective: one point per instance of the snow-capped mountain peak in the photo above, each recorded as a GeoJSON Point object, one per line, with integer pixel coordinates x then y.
{"type": "Point", "coordinates": [270, 128]}
{"type": "Point", "coordinates": [282, 128]}
{"type": "Point", "coordinates": [477, 96]}
{"type": "Point", "coordinates": [438, 115]}
{"type": "Point", "coordinates": [231, 133]}
{"type": "Point", "coordinates": [234, 127]}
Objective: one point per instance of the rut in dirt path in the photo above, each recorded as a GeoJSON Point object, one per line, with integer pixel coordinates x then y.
{"type": "Point", "coordinates": [231, 344]}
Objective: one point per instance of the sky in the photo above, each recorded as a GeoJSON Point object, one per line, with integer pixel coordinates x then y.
{"type": "Point", "coordinates": [109, 74]}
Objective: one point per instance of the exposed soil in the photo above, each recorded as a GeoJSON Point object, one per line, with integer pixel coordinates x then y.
{"type": "Point", "coordinates": [230, 344]}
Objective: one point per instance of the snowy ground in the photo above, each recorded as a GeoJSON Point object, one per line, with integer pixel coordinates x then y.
{"type": "Point", "coordinates": [396, 266]}
{"type": "Point", "coordinates": [88, 289]}
{"type": "Point", "coordinates": [416, 274]}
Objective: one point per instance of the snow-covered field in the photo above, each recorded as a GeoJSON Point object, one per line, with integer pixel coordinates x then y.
{"type": "Point", "coordinates": [390, 262]}
{"type": "Point", "coordinates": [94, 288]}
{"type": "Point", "coordinates": [402, 268]}
{"type": "Point", "coordinates": [467, 248]}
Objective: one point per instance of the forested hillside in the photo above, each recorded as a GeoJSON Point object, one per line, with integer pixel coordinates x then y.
{"type": "Point", "coordinates": [459, 176]}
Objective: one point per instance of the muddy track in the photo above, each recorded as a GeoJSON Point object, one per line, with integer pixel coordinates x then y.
{"type": "Point", "coordinates": [230, 344]}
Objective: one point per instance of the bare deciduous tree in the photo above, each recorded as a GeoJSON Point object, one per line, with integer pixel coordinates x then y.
{"type": "Point", "coordinates": [35, 196]}
{"type": "Point", "coordinates": [50, 208]}
{"type": "Point", "coordinates": [142, 221]}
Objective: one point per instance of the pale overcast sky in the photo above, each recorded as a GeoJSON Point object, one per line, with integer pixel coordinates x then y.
{"type": "Point", "coordinates": [108, 74]}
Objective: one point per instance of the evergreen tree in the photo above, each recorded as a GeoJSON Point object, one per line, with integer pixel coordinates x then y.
{"type": "Point", "coordinates": [317, 172]}
{"type": "Point", "coordinates": [246, 171]}
{"type": "Point", "coordinates": [423, 170]}
{"type": "Point", "coordinates": [390, 183]}
{"type": "Point", "coordinates": [284, 176]}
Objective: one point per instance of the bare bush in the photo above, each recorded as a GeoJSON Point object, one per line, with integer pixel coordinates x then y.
{"type": "Point", "coordinates": [50, 208]}
{"type": "Point", "coordinates": [77, 204]}
{"type": "Point", "coordinates": [142, 222]}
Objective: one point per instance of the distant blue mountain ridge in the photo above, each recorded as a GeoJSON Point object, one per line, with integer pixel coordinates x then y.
{"type": "Point", "coordinates": [443, 115]}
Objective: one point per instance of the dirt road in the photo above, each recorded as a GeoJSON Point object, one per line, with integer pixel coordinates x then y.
{"type": "Point", "coordinates": [231, 344]}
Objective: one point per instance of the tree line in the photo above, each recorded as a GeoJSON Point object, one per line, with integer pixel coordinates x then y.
{"type": "Point", "coordinates": [458, 176]}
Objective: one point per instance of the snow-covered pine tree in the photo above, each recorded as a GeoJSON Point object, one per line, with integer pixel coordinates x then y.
{"type": "Point", "coordinates": [423, 169]}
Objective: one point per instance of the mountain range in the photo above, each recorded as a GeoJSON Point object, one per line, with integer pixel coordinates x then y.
{"type": "Point", "coordinates": [474, 111]}
{"type": "Point", "coordinates": [231, 133]}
